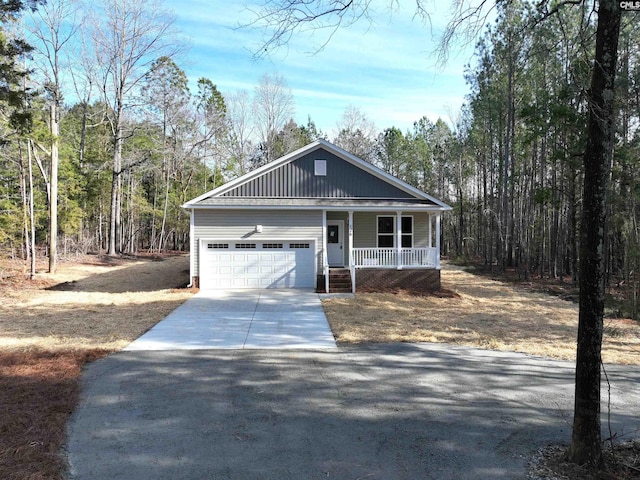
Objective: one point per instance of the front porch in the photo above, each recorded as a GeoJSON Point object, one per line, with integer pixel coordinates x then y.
{"type": "Point", "coordinates": [426, 257]}
{"type": "Point", "coordinates": [372, 245]}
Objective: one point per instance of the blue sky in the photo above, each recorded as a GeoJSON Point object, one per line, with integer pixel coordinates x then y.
{"type": "Point", "coordinates": [386, 68]}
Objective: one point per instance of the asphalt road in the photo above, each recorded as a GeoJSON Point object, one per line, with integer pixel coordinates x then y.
{"type": "Point", "coordinates": [399, 411]}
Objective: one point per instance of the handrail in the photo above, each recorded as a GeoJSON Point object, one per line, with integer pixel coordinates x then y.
{"type": "Point", "coordinates": [420, 257]}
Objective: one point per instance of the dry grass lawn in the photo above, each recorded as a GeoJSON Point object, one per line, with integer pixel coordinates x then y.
{"type": "Point", "coordinates": [105, 304]}
{"type": "Point", "coordinates": [476, 311]}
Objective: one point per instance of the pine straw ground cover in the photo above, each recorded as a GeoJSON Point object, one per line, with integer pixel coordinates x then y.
{"type": "Point", "coordinates": [52, 326]}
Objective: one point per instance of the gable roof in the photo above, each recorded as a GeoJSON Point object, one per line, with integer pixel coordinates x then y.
{"type": "Point", "coordinates": [290, 181]}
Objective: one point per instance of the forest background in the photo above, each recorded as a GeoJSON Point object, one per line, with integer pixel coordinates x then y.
{"type": "Point", "coordinates": [102, 140]}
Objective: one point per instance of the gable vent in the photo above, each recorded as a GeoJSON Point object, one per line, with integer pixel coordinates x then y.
{"type": "Point", "coordinates": [320, 168]}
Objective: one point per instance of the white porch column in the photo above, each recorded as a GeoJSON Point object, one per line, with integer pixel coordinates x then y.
{"type": "Point", "coordinates": [193, 245]}
{"type": "Point", "coordinates": [325, 258]}
{"type": "Point", "coordinates": [438, 241]}
{"type": "Point", "coordinates": [399, 238]}
{"type": "Point", "coordinates": [430, 231]}
{"type": "Point", "coordinates": [351, 268]}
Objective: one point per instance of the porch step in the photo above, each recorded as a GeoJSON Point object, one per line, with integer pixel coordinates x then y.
{"type": "Point", "coordinates": [339, 280]}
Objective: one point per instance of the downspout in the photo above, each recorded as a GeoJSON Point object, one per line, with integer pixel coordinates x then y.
{"type": "Point", "coordinates": [192, 250]}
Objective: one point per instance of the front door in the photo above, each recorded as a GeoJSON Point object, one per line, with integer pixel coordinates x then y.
{"type": "Point", "coordinates": [335, 243]}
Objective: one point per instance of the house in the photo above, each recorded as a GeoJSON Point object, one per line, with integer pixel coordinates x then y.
{"type": "Point", "coordinates": [319, 218]}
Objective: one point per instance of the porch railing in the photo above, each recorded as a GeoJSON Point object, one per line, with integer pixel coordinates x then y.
{"type": "Point", "coordinates": [426, 257]}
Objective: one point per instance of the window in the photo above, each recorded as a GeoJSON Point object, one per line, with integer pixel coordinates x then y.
{"type": "Point", "coordinates": [407, 232]}
{"type": "Point", "coordinates": [320, 168]}
{"type": "Point", "coordinates": [333, 234]}
{"type": "Point", "coordinates": [217, 245]}
{"type": "Point", "coordinates": [245, 245]}
{"type": "Point", "coordinates": [387, 232]}
{"type": "Point", "coordinates": [271, 245]}
{"type": "Point", "coordinates": [298, 245]}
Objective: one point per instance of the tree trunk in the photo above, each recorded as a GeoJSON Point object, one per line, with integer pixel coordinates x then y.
{"type": "Point", "coordinates": [162, 241]}
{"type": "Point", "coordinates": [115, 192]}
{"type": "Point", "coordinates": [53, 199]}
{"type": "Point", "coordinates": [25, 203]}
{"type": "Point", "coordinates": [586, 443]}
{"type": "Point", "coordinates": [32, 223]}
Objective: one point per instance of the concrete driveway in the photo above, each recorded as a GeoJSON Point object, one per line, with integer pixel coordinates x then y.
{"type": "Point", "coordinates": [237, 319]}
{"type": "Point", "coordinates": [376, 412]}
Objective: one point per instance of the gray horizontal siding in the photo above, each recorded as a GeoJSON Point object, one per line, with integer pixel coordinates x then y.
{"type": "Point", "coordinates": [297, 179]}
{"type": "Point", "coordinates": [240, 224]}
{"type": "Point", "coordinates": [291, 224]}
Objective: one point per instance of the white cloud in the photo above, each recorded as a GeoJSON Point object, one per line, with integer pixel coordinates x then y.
{"type": "Point", "coordinates": [384, 68]}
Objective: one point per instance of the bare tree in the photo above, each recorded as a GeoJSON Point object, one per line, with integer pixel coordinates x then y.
{"type": "Point", "coordinates": [282, 19]}
{"type": "Point", "coordinates": [272, 106]}
{"type": "Point", "coordinates": [84, 72]}
{"type": "Point", "coordinates": [356, 133]}
{"type": "Point", "coordinates": [52, 26]}
{"type": "Point", "coordinates": [239, 146]}
{"type": "Point", "coordinates": [128, 35]}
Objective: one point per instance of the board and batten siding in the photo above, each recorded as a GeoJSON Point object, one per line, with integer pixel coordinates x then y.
{"type": "Point", "coordinates": [297, 179]}
{"type": "Point", "coordinates": [241, 224]}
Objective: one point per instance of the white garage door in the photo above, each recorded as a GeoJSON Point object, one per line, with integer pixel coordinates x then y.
{"type": "Point", "coordinates": [264, 264]}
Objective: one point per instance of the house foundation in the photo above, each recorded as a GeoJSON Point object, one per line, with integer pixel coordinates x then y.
{"type": "Point", "coordinates": [383, 280]}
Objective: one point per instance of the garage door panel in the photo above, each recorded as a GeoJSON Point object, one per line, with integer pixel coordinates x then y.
{"type": "Point", "coordinates": [238, 282]}
{"type": "Point", "coordinates": [276, 264]}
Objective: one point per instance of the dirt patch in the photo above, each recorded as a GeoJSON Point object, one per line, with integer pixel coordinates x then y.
{"type": "Point", "coordinates": [51, 326]}
{"type": "Point", "coordinates": [477, 311]}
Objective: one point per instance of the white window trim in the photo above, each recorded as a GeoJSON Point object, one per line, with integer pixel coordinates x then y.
{"type": "Point", "coordinates": [413, 228]}
{"type": "Point", "coordinates": [320, 168]}
{"type": "Point", "coordinates": [392, 234]}
{"type": "Point", "coordinates": [395, 232]}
